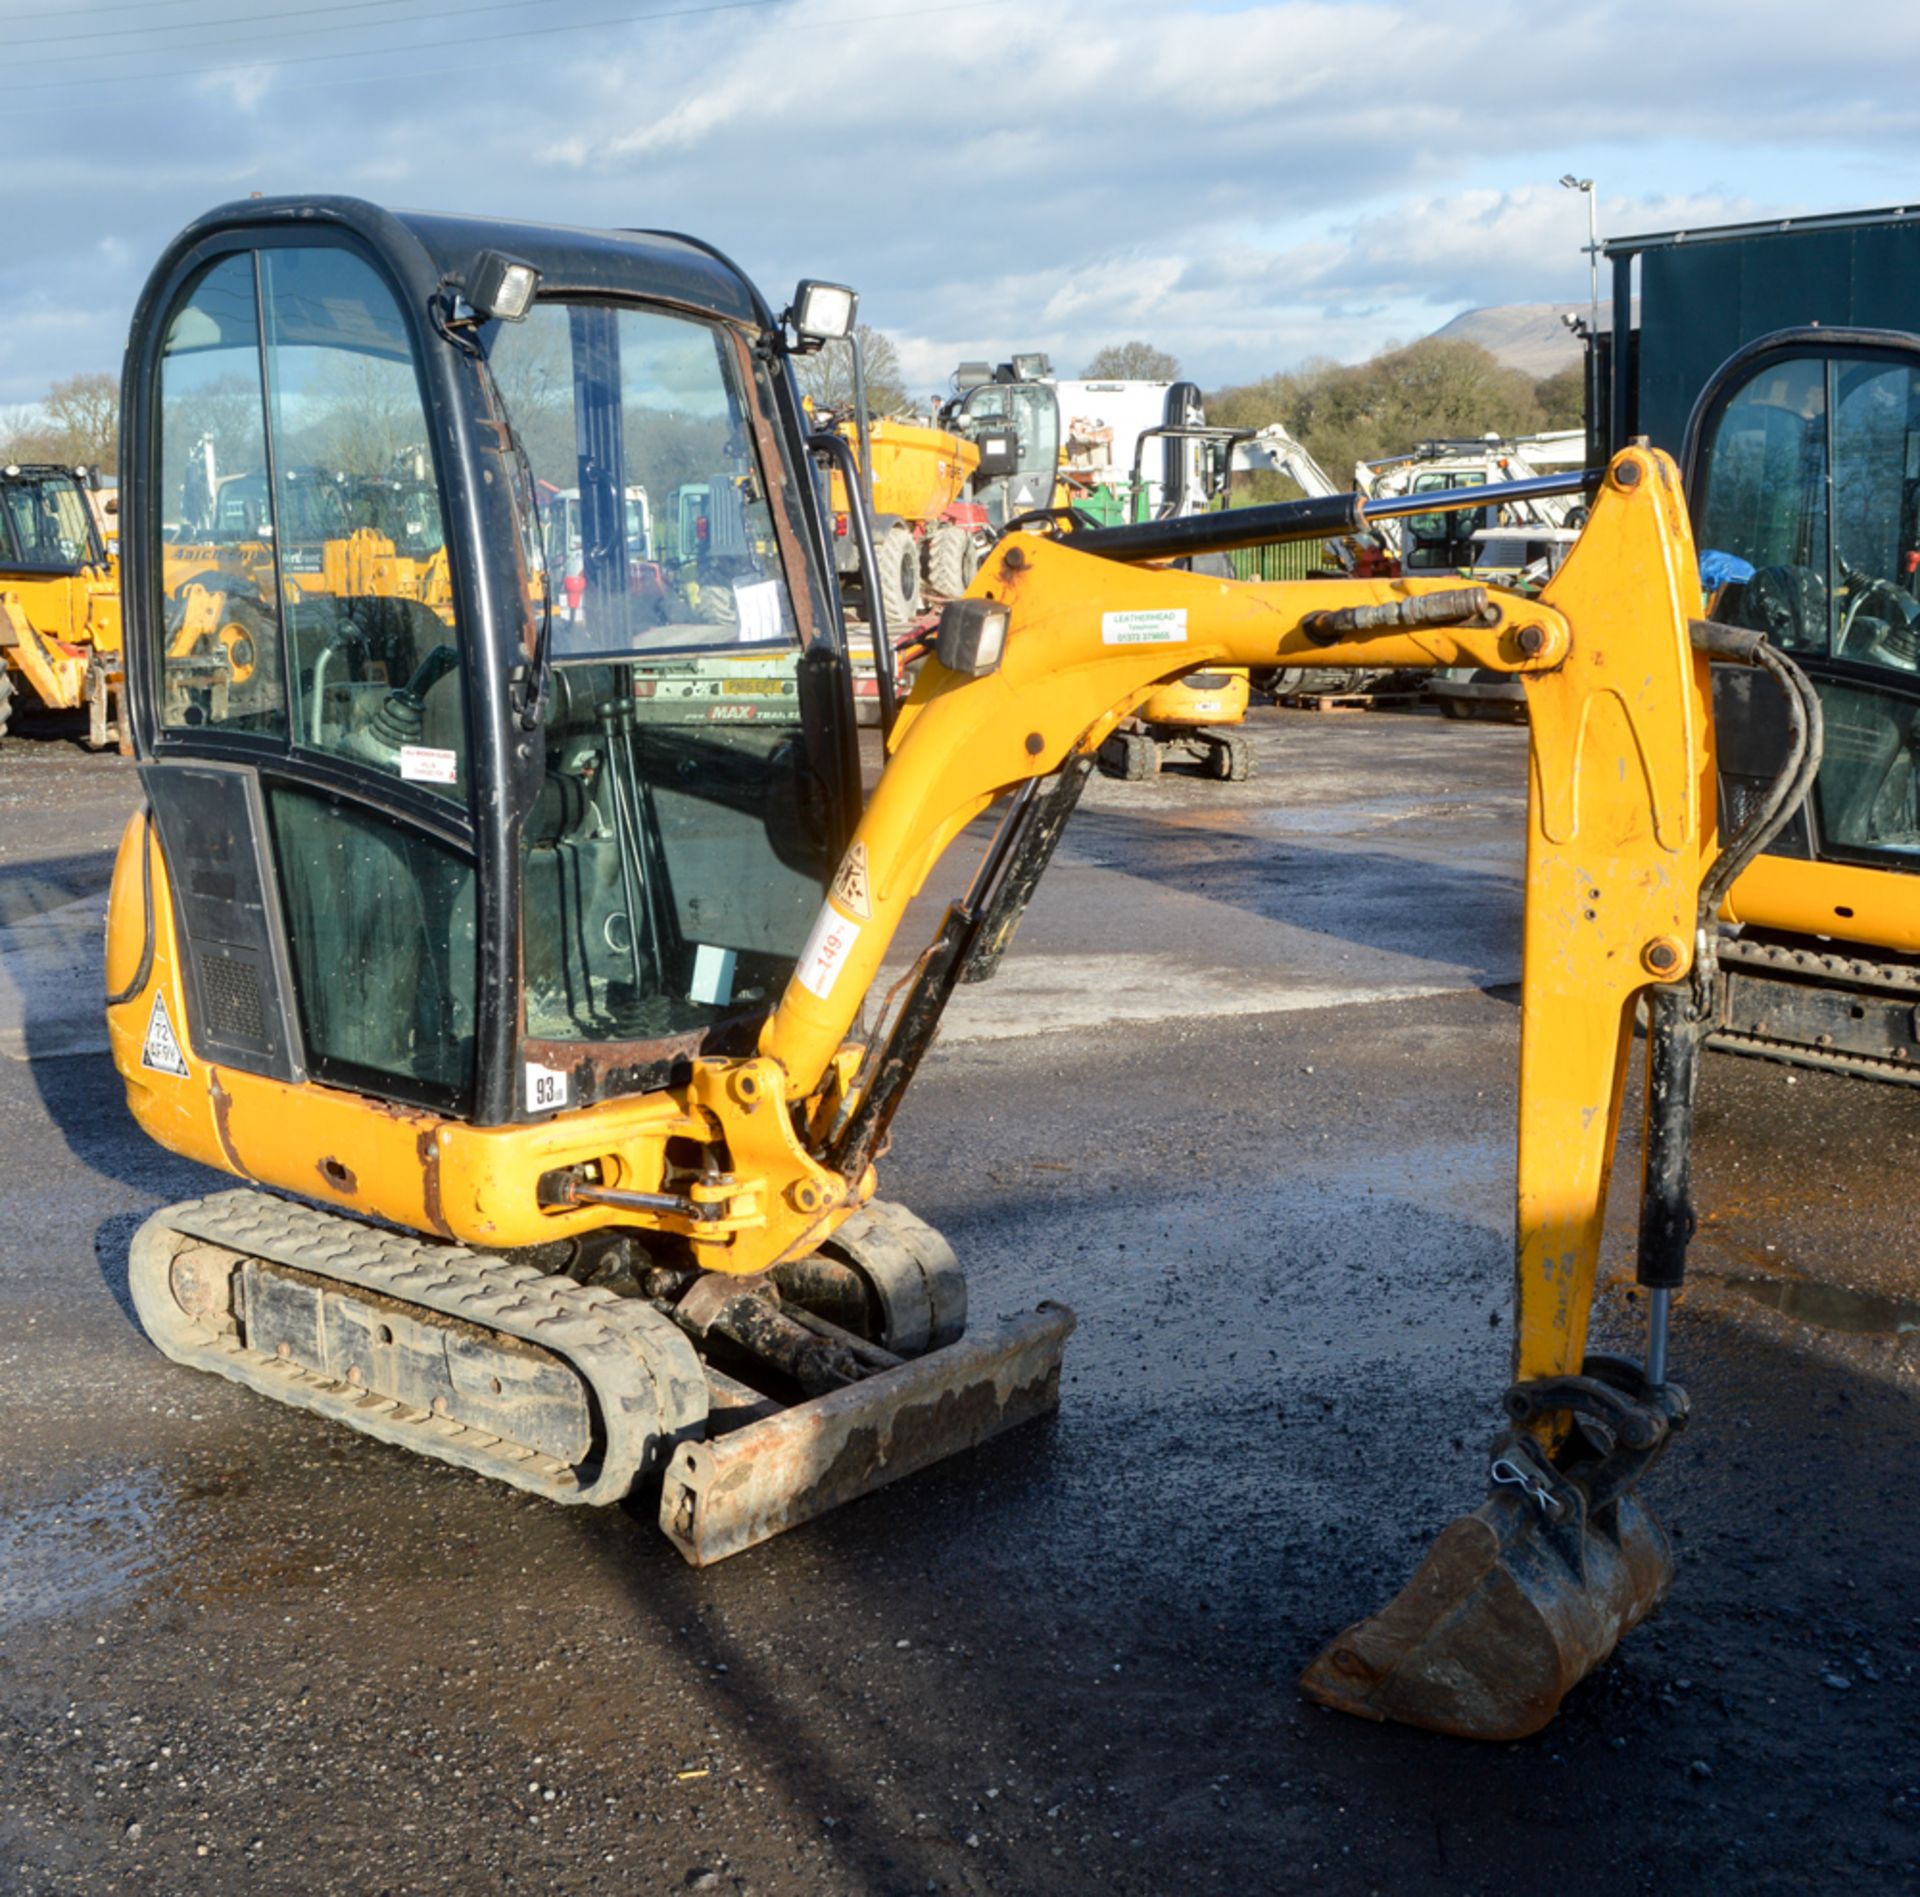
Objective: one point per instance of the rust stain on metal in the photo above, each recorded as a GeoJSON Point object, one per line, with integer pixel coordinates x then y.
{"type": "Point", "coordinates": [712, 1292]}
{"type": "Point", "coordinates": [773, 463]}
{"type": "Point", "coordinates": [601, 1069]}
{"type": "Point", "coordinates": [222, 1113]}
{"type": "Point", "coordinates": [428, 1147]}
{"type": "Point", "coordinates": [338, 1177]}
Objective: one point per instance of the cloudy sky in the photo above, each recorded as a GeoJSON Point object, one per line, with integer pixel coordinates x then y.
{"type": "Point", "coordinates": [1244, 182]}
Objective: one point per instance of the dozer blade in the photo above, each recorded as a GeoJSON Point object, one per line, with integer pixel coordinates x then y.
{"type": "Point", "coordinates": [1508, 1612]}
{"type": "Point", "coordinates": [726, 1494]}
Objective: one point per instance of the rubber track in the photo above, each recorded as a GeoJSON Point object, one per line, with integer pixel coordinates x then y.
{"type": "Point", "coordinates": [922, 1290]}
{"type": "Point", "coordinates": [1835, 971]}
{"type": "Point", "coordinates": [1825, 970]}
{"type": "Point", "coordinates": [646, 1382]}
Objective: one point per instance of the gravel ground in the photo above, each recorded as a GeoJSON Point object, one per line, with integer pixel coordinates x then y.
{"type": "Point", "coordinates": [1270, 1165]}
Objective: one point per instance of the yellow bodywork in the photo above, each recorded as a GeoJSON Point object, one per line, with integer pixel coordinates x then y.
{"type": "Point", "coordinates": [917, 472]}
{"type": "Point", "coordinates": [361, 564]}
{"type": "Point", "coordinates": [1873, 907]}
{"type": "Point", "coordinates": [1619, 824]}
{"type": "Point", "coordinates": [1183, 703]}
{"type": "Point", "coordinates": [365, 564]}
{"type": "Point", "coordinates": [53, 624]}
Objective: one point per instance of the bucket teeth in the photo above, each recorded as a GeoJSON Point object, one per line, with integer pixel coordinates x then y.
{"type": "Point", "coordinates": [1507, 1613]}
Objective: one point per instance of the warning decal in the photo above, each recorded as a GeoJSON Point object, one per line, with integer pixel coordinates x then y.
{"type": "Point", "coordinates": [850, 888]}
{"type": "Point", "coordinates": [422, 764]}
{"type": "Point", "coordinates": [162, 1050]}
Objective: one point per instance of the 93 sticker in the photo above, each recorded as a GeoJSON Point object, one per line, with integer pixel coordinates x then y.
{"type": "Point", "coordinates": [546, 1088]}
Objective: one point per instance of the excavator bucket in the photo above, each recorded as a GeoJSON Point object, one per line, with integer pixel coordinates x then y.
{"type": "Point", "coordinates": [1510, 1610]}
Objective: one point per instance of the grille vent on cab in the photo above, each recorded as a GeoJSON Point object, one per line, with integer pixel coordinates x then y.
{"type": "Point", "coordinates": [231, 991]}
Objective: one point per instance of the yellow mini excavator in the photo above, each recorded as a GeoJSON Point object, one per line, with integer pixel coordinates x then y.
{"type": "Point", "coordinates": [519, 963]}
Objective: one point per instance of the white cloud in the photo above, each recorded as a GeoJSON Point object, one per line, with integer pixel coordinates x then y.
{"type": "Point", "coordinates": [1244, 184]}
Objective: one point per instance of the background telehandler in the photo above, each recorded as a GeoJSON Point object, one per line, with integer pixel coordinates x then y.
{"type": "Point", "coordinates": [59, 599]}
{"type": "Point", "coordinates": [524, 973]}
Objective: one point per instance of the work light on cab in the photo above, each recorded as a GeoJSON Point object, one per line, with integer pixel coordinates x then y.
{"type": "Point", "coordinates": [502, 286]}
{"type": "Point", "coordinates": [822, 313]}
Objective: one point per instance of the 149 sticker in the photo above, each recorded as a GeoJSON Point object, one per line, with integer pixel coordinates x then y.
{"type": "Point", "coordinates": [826, 952]}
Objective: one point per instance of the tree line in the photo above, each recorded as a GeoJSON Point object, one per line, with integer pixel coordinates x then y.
{"type": "Point", "coordinates": [76, 424]}
{"type": "Point", "coordinates": [1343, 412]}
{"type": "Point", "coordinates": [1340, 412]}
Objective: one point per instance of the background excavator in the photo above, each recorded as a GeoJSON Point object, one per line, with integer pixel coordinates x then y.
{"type": "Point", "coordinates": [523, 972]}
{"type": "Point", "coordinates": [1194, 717]}
{"type": "Point", "coordinates": [1801, 466]}
{"type": "Point", "coordinates": [1780, 364]}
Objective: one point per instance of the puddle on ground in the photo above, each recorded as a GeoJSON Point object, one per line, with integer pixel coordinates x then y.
{"type": "Point", "coordinates": [1832, 1307]}
{"type": "Point", "coordinates": [55, 1558]}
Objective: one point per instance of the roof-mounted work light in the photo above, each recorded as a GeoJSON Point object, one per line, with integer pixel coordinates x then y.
{"type": "Point", "coordinates": [822, 313]}
{"type": "Point", "coordinates": [501, 286]}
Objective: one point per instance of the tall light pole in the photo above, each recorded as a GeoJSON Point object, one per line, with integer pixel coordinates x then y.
{"type": "Point", "coordinates": [1593, 300]}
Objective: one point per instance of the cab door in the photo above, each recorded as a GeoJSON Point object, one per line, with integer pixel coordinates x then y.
{"type": "Point", "coordinates": [1803, 467]}
{"type": "Point", "coordinates": [303, 717]}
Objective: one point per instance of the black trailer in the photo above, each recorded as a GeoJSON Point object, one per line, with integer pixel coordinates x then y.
{"type": "Point", "coordinates": [1687, 300]}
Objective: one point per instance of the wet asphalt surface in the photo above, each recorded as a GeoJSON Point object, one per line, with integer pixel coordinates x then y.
{"type": "Point", "coordinates": [1270, 1166]}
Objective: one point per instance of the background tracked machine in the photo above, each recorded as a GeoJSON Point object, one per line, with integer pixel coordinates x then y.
{"type": "Point", "coordinates": [1780, 363]}
{"type": "Point", "coordinates": [529, 954]}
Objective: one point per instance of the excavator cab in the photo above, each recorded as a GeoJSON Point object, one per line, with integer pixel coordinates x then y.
{"type": "Point", "coordinates": [368, 765]}
{"type": "Point", "coordinates": [1015, 409]}
{"type": "Point", "coordinates": [1803, 468]}
{"type": "Point", "coordinates": [46, 525]}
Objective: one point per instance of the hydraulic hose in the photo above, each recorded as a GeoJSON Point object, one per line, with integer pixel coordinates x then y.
{"type": "Point", "coordinates": [1806, 745]}
{"type": "Point", "coordinates": [1678, 1013]}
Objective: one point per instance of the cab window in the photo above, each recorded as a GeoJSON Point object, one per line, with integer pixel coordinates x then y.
{"type": "Point", "coordinates": [367, 598]}
{"type": "Point", "coordinates": [307, 596]}
{"type": "Point", "coordinates": [677, 855]}
{"type": "Point", "coordinates": [1809, 499]}
{"type": "Point", "coordinates": [47, 515]}
{"type": "Point", "coordinates": [219, 659]}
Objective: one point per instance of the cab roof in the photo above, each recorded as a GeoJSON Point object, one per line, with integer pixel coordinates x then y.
{"type": "Point", "coordinates": [570, 258]}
